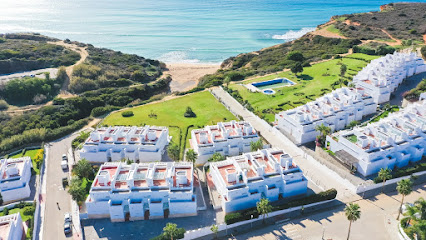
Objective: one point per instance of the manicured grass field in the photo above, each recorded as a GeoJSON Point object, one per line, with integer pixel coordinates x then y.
{"type": "Point", "coordinates": [29, 153]}
{"type": "Point", "coordinates": [170, 113]}
{"type": "Point", "coordinates": [312, 83]}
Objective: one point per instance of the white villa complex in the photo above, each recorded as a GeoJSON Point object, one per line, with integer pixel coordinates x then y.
{"type": "Point", "coordinates": [15, 178]}
{"type": "Point", "coordinates": [243, 180]}
{"type": "Point", "coordinates": [11, 227]}
{"type": "Point", "coordinates": [227, 138]}
{"type": "Point", "coordinates": [393, 141]}
{"type": "Point", "coordinates": [336, 110]}
{"type": "Point", "coordinates": [139, 144]}
{"type": "Point", "coordinates": [383, 75]}
{"type": "Point", "coordinates": [142, 191]}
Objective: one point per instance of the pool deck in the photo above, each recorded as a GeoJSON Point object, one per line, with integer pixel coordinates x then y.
{"type": "Point", "coordinates": [269, 84]}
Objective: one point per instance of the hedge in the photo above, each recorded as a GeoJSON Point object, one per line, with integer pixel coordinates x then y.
{"type": "Point", "coordinates": [127, 113]}
{"type": "Point", "coordinates": [98, 111]}
{"type": "Point", "coordinates": [405, 171]}
{"type": "Point", "coordinates": [281, 205]}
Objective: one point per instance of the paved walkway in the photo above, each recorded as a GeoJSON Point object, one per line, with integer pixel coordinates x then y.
{"type": "Point", "coordinates": [314, 171]}
{"type": "Point", "coordinates": [378, 221]}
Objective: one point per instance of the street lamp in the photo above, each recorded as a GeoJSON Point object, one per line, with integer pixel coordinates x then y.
{"type": "Point", "coordinates": [251, 221]}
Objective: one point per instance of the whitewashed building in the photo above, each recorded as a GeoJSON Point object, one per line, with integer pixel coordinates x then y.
{"type": "Point", "coordinates": [243, 180]}
{"type": "Point", "coordinates": [383, 75]}
{"type": "Point", "coordinates": [392, 142]}
{"type": "Point", "coordinates": [142, 191]}
{"type": "Point", "coordinates": [139, 144]}
{"type": "Point", "coordinates": [15, 178]}
{"type": "Point", "coordinates": [11, 227]}
{"type": "Point", "coordinates": [227, 138]}
{"type": "Point", "coordinates": [335, 110]}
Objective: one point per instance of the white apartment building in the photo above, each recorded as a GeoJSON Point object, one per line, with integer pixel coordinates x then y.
{"type": "Point", "coordinates": [243, 180]}
{"type": "Point", "coordinates": [139, 144]}
{"type": "Point", "coordinates": [392, 142]}
{"type": "Point", "coordinates": [142, 191]}
{"type": "Point", "coordinates": [15, 178]}
{"type": "Point", "coordinates": [11, 227]}
{"type": "Point", "coordinates": [336, 110]}
{"type": "Point", "coordinates": [227, 138]}
{"type": "Point", "coordinates": [383, 75]}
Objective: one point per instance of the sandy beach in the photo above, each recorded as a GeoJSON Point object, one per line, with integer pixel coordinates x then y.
{"type": "Point", "coordinates": [185, 75]}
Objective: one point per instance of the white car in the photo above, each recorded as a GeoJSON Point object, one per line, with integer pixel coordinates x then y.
{"type": "Point", "coordinates": [64, 157]}
{"type": "Point", "coordinates": [64, 164]}
{"type": "Point", "coordinates": [67, 217]}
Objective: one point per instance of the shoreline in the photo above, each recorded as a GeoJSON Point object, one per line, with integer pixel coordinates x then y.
{"type": "Point", "coordinates": [185, 76]}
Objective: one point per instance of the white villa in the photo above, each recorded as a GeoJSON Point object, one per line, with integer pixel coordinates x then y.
{"type": "Point", "coordinates": [336, 110]}
{"type": "Point", "coordinates": [383, 75]}
{"type": "Point", "coordinates": [139, 144]}
{"type": "Point", "coordinates": [243, 180]}
{"type": "Point", "coordinates": [142, 191]}
{"type": "Point", "coordinates": [392, 142]}
{"type": "Point", "coordinates": [227, 138]}
{"type": "Point", "coordinates": [15, 178]}
{"type": "Point", "coordinates": [11, 227]}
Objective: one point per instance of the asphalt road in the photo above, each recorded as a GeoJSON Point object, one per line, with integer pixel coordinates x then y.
{"type": "Point", "coordinates": [54, 213]}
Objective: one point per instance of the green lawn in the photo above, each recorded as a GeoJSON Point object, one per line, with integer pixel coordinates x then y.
{"type": "Point", "coordinates": [312, 83]}
{"type": "Point", "coordinates": [31, 154]}
{"type": "Point", "coordinates": [170, 113]}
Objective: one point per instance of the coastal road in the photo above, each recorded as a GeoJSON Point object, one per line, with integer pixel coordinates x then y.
{"type": "Point", "coordinates": [377, 222]}
{"type": "Point", "coordinates": [55, 193]}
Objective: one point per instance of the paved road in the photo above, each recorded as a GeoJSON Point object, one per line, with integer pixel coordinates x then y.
{"type": "Point", "coordinates": [377, 222]}
{"type": "Point", "coordinates": [38, 73]}
{"type": "Point", "coordinates": [322, 176]}
{"type": "Point", "coordinates": [54, 214]}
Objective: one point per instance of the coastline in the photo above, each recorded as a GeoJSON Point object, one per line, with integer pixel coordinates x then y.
{"type": "Point", "coordinates": [185, 76]}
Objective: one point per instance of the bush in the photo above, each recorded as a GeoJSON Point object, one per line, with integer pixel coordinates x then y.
{"type": "Point", "coordinates": [98, 111]}
{"type": "Point", "coordinates": [127, 114]}
{"type": "Point", "coordinates": [189, 113]}
{"type": "Point", "coordinates": [3, 105]}
{"type": "Point", "coordinates": [29, 210]}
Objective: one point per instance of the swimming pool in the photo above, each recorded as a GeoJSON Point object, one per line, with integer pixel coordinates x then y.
{"type": "Point", "coordinates": [279, 82]}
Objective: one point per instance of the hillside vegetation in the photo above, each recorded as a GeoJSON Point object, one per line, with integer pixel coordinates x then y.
{"type": "Point", "coordinates": [105, 68]}
{"type": "Point", "coordinates": [29, 52]}
{"type": "Point", "coordinates": [405, 21]}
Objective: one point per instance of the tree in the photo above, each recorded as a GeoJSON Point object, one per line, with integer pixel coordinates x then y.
{"type": "Point", "coordinates": [263, 208]}
{"type": "Point", "coordinates": [256, 145]}
{"type": "Point", "coordinates": [215, 229]}
{"type": "Point", "coordinates": [216, 158]}
{"type": "Point", "coordinates": [38, 159]}
{"type": "Point", "coordinates": [420, 205]}
{"type": "Point", "coordinates": [295, 56]}
{"type": "Point", "coordinates": [343, 69]}
{"type": "Point", "coordinates": [83, 169]}
{"type": "Point", "coordinates": [297, 68]}
{"type": "Point", "coordinates": [352, 213]}
{"type": "Point", "coordinates": [76, 190]}
{"type": "Point", "coordinates": [420, 228]}
{"type": "Point", "coordinates": [404, 188]}
{"type": "Point", "coordinates": [171, 231]}
{"type": "Point", "coordinates": [227, 80]}
{"type": "Point", "coordinates": [324, 131]}
{"type": "Point", "coordinates": [189, 113]}
{"type": "Point", "coordinates": [411, 214]}
{"type": "Point", "coordinates": [173, 151]}
{"type": "Point", "coordinates": [384, 174]}
{"type": "Point", "coordinates": [353, 124]}
{"type": "Point", "coordinates": [191, 156]}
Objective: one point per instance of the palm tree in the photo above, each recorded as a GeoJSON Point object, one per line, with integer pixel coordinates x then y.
{"type": "Point", "coordinates": [324, 131]}
{"type": "Point", "coordinates": [263, 208]}
{"type": "Point", "coordinates": [410, 214]}
{"type": "Point", "coordinates": [170, 230]}
{"type": "Point", "coordinates": [353, 213]}
{"type": "Point", "coordinates": [215, 229]}
{"type": "Point", "coordinates": [421, 206]}
{"type": "Point", "coordinates": [384, 174]}
{"type": "Point", "coordinates": [404, 188]}
{"type": "Point", "coordinates": [420, 228]}
{"type": "Point", "coordinates": [191, 156]}
{"type": "Point", "coordinates": [256, 145]}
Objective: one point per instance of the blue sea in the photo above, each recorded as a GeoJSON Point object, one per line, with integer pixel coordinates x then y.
{"type": "Point", "coordinates": [206, 31]}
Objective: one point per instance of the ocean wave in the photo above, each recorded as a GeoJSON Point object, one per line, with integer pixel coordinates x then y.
{"type": "Point", "coordinates": [177, 57]}
{"type": "Point", "coordinates": [291, 35]}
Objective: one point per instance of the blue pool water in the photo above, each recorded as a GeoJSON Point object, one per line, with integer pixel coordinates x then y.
{"type": "Point", "coordinates": [279, 82]}
{"type": "Point", "coordinates": [176, 30]}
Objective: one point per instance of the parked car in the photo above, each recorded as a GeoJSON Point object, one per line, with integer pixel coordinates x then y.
{"type": "Point", "coordinates": [67, 227]}
{"type": "Point", "coordinates": [64, 157]}
{"type": "Point", "coordinates": [67, 217]}
{"type": "Point", "coordinates": [64, 182]}
{"type": "Point", "coordinates": [64, 165]}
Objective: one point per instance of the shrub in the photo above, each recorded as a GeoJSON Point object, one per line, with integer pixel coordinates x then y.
{"type": "Point", "coordinates": [29, 210]}
{"type": "Point", "coordinates": [127, 114]}
{"type": "Point", "coordinates": [98, 111]}
{"type": "Point", "coordinates": [189, 113]}
{"type": "Point", "coordinates": [3, 105]}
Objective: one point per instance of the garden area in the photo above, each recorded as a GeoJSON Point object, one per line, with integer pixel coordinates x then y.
{"type": "Point", "coordinates": [36, 156]}
{"type": "Point", "coordinates": [27, 214]}
{"type": "Point", "coordinates": [312, 83]}
{"type": "Point", "coordinates": [171, 113]}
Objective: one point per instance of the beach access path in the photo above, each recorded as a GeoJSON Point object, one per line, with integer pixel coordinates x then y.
{"type": "Point", "coordinates": [185, 76]}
